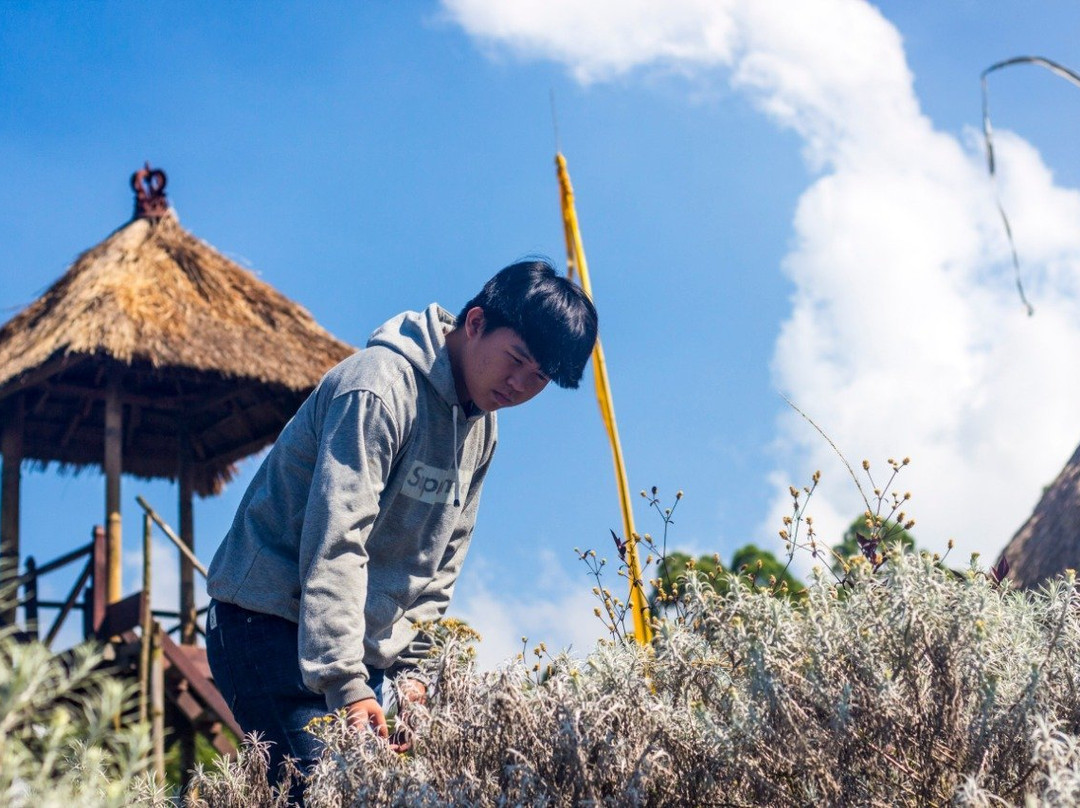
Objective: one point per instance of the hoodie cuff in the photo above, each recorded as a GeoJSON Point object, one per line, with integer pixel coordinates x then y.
{"type": "Point", "coordinates": [341, 694]}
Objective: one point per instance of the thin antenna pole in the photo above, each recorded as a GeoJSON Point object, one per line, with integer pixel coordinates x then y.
{"type": "Point", "coordinates": [555, 121]}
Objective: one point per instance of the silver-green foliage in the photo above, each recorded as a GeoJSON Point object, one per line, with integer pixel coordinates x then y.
{"type": "Point", "coordinates": [59, 743]}
{"type": "Point", "coordinates": [913, 685]}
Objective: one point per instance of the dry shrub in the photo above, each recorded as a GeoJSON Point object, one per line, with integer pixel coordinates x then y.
{"type": "Point", "coordinates": [911, 685]}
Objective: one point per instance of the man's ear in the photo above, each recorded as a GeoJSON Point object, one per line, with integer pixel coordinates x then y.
{"type": "Point", "coordinates": [474, 322]}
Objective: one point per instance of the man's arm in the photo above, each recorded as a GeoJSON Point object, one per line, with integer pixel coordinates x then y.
{"type": "Point", "coordinates": [359, 442]}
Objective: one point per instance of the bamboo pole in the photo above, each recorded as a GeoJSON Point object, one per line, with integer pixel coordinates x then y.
{"type": "Point", "coordinates": [157, 705]}
{"type": "Point", "coordinates": [575, 259]}
{"type": "Point", "coordinates": [170, 534]}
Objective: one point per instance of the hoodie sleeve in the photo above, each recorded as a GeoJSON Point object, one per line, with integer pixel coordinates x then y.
{"type": "Point", "coordinates": [360, 442]}
{"type": "Point", "coordinates": [431, 605]}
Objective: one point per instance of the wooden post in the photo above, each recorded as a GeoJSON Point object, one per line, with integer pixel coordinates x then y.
{"type": "Point", "coordinates": [30, 602]}
{"type": "Point", "coordinates": [147, 625]}
{"type": "Point", "coordinates": [11, 445]}
{"type": "Point", "coordinates": [114, 448]}
{"type": "Point", "coordinates": [184, 729]}
{"type": "Point", "coordinates": [94, 612]}
{"type": "Point", "coordinates": [187, 535]}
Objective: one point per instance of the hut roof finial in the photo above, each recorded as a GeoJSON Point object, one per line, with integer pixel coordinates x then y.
{"type": "Point", "coordinates": [149, 186]}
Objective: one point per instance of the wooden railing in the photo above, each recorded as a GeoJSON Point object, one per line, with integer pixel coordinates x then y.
{"type": "Point", "coordinates": [166, 669]}
{"type": "Point", "coordinates": [90, 582]}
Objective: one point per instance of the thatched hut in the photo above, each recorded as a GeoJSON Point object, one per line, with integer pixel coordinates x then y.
{"type": "Point", "coordinates": [1049, 541]}
{"type": "Point", "coordinates": [154, 355]}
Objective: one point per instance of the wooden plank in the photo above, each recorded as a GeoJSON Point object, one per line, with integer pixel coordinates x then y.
{"type": "Point", "coordinates": [202, 687]}
{"type": "Point", "coordinates": [190, 706]}
{"type": "Point", "coordinates": [121, 616]}
{"type": "Point", "coordinates": [221, 743]}
{"type": "Point", "coordinates": [65, 610]}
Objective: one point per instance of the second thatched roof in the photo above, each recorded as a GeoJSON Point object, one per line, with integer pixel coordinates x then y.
{"type": "Point", "coordinates": [1049, 541]}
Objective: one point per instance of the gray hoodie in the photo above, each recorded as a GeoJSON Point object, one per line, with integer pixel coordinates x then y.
{"type": "Point", "coordinates": [350, 528]}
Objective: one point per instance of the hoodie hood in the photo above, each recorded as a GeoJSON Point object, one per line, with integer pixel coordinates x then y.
{"type": "Point", "coordinates": [420, 337]}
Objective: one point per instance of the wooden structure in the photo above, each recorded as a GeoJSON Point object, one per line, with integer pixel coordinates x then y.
{"type": "Point", "coordinates": [175, 685]}
{"type": "Point", "coordinates": [1048, 543]}
{"type": "Point", "coordinates": [154, 356]}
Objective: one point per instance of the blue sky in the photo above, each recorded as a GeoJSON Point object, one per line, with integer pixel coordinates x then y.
{"type": "Point", "coordinates": [770, 200]}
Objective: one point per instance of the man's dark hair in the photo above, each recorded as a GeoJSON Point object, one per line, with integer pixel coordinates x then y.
{"type": "Point", "coordinates": [551, 313]}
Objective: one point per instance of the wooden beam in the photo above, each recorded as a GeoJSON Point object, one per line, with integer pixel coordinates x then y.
{"type": "Point", "coordinates": [76, 422]}
{"type": "Point", "coordinates": [39, 405]}
{"type": "Point", "coordinates": [97, 394]}
{"type": "Point", "coordinates": [11, 445]}
{"type": "Point", "coordinates": [113, 465]}
{"type": "Point", "coordinates": [33, 378]}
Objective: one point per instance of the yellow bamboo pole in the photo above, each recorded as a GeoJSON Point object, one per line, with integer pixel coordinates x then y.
{"type": "Point", "coordinates": [576, 266]}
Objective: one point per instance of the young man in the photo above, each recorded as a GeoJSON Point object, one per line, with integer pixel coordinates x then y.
{"type": "Point", "coordinates": [355, 527]}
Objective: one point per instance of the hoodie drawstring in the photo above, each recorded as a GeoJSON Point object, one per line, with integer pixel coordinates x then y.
{"type": "Point", "coordinates": [457, 470]}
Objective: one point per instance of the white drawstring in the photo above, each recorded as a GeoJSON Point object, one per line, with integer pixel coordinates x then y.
{"type": "Point", "coordinates": [457, 471]}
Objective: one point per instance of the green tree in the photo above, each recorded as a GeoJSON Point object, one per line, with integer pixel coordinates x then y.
{"type": "Point", "coordinates": [764, 569]}
{"type": "Point", "coordinates": [757, 567]}
{"type": "Point", "coordinates": [869, 541]}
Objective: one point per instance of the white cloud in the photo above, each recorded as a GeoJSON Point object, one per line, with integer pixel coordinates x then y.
{"type": "Point", "coordinates": [604, 38]}
{"type": "Point", "coordinates": [164, 577]}
{"type": "Point", "coordinates": [905, 336]}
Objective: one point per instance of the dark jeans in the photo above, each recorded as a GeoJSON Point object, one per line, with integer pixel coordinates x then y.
{"type": "Point", "coordinates": [256, 666]}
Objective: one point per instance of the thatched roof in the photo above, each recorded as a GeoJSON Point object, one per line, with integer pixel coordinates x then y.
{"type": "Point", "coordinates": [194, 339]}
{"type": "Point", "coordinates": [1049, 542]}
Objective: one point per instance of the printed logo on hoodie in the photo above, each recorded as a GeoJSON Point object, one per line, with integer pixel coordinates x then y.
{"type": "Point", "coordinates": [432, 484]}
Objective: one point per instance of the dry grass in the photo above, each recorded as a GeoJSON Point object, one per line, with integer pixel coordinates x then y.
{"type": "Point", "coordinates": [919, 687]}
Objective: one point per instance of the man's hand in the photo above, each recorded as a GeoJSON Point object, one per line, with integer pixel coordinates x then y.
{"type": "Point", "coordinates": [410, 692]}
{"type": "Point", "coordinates": [367, 713]}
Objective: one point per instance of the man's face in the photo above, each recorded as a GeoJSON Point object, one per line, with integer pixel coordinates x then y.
{"type": "Point", "coordinates": [499, 371]}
